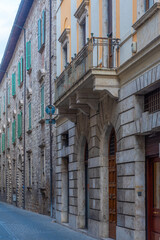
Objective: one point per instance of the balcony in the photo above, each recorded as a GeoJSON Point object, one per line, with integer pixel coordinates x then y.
{"type": "Point", "coordinates": [93, 69]}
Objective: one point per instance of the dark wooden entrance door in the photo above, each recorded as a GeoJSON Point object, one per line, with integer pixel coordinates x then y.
{"type": "Point", "coordinates": [112, 186]}
{"type": "Point", "coordinates": [153, 194]}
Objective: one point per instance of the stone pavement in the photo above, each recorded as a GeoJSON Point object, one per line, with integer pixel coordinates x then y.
{"type": "Point", "coordinates": [19, 224]}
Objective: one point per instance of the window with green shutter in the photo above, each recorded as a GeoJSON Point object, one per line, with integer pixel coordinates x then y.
{"type": "Point", "coordinates": [3, 142]}
{"type": "Point", "coordinates": [8, 137]}
{"type": "Point", "coordinates": [43, 27]}
{"type": "Point", "coordinates": [8, 95]}
{"type": "Point", "coordinates": [41, 31]}
{"type": "Point", "coordinates": [20, 125]}
{"type": "Point", "coordinates": [14, 131]}
{"type": "Point", "coordinates": [0, 144]}
{"type": "Point", "coordinates": [42, 101]}
{"type": "Point", "coordinates": [4, 104]}
{"type": "Point", "coordinates": [20, 71]}
{"type": "Point", "coordinates": [39, 34]}
{"type": "Point", "coordinates": [13, 84]}
{"type": "Point", "coordinates": [28, 55]}
{"type": "Point", "coordinates": [30, 120]}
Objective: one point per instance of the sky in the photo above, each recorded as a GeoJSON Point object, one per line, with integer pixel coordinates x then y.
{"type": "Point", "coordinates": [8, 10]}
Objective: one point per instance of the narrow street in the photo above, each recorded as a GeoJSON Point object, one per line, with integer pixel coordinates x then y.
{"type": "Point", "coordinates": [18, 224]}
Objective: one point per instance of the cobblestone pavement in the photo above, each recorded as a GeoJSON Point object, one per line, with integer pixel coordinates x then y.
{"type": "Point", "coordinates": [18, 224]}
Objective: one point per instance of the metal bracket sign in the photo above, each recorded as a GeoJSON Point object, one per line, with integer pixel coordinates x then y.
{"type": "Point", "coordinates": [50, 121]}
{"type": "Point", "coordinates": [50, 110]}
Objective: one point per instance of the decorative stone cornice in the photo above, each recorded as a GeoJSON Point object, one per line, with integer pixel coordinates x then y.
{"type": "Point", "coordinates": [81, 9]}
{"type": "Point", "coordinates": [146, 16]}
{"type": "Point", "coordinates": [64, 35]}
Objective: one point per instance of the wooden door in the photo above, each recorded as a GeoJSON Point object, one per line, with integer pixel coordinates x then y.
{"type": "Point", "coordinates": [112, 186]}
{"type": "Point", "coordinates": [153, 195]}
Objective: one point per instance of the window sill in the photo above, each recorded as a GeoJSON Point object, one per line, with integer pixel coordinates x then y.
{"type": "Point", "coordinates": [29, 188]}
{"type": "Point", "coordinates": [8, 106]}
{"type": "Point", "coordinates": [14, 144]}
{"type": "Point", "coordinates": [20, 138]}
{"type": "Point", "coordinates": [8, 148]}
{"type": "Point", "coordinates": [29, 131]}
{"type": "Point", "coordinates": [21, 84]}
{"type": "Point", "coordinates": [41, 49]}
{"type": "Point", "coordinates": [42, 121]}
{"type": "Point", "coordinates": [29, 71]}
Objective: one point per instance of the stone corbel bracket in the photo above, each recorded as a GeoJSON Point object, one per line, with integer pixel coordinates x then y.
{"type": "Point", "coordinates": [108, 82]}
{"type": "Point", "coordinates": [89, 98]}
{"type": "Point", "coordinates": [70, 114]}
{"type": "Point", "coordinates": [82, 107]}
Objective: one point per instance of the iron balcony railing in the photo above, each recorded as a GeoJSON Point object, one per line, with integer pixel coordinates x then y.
{"type": "Point", "coordinates": [97, 53]}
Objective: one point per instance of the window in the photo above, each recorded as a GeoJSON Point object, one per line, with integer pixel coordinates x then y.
{"type": "Point", "coordinates": [152, 101]}
{"type": "Point", "coordinates": [20, 72]}
{"type": "Point", "coordinates": [14, 131]}
{"type": "Point", "coordinates": [4, 104]}
{"type": "Point", "coordinates": [3, 142]}
{"type": "Point", "coordinates": [13, 84]}
{"type": "Point", "coordinates": [8, 135]}
{"type": "Point", "coordinates": [42, 101]}
{"type": "Point", "coordinates": [20, 125]}
{"type": "Point", "coordinates": [0, 110]}
{"type": "Point", "coordinates": [29, 117]}
{"type": "Point", "coordinates": [149, 4]}
{"type": "Point", "coordinates": [0, 144]}
{"type": "Point", "coordinates": [41, 31]}
{"type": "Point", "coordinates": [29, 170]}
{"type": "Point", "coordinates": [42, 164]}
{"type": "Point", "coordinates": [65, 56]}
{"type": "Point", "coordinates": [8, 95]}
{"type": "Point", "coordinates": [28, 55]}
{"type": "Point", "coordinates": [83, 33]}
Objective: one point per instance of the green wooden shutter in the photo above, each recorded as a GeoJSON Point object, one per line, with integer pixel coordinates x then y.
{"type": "Point", "coordinates": [0, 144]}
{"type": "Point", "coordinates": [19, 73]}
{"type": "Point", "coordinates": [8, 136]}
{"type": "Point", "coordinates": [30, 123]}
{"type": "Point", "coordinates": [3, 142]}
{"type": "Point", "coordinates": [43, 27]}
{"type": "Point", "coordinates": [39, 34]}
{"type": "Point", "coordinates": [8, 95]}
{"type": "Point", "coordinates": [42, 101]}
{"type": "Point", "coordinates": [4, 104]}
{"type": "Point", "coordinates": [19, 125]}
{"type": "Point", "coordinates": [14, 131]}
{"type": "Point", "coordinates": [28, 55]}
{"type": "Point", "coordinates": [21, 69]}
{"type": "Point", "coordinates": [13, 84]}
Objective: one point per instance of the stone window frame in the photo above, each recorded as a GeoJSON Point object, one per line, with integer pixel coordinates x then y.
{"type": "Point", "coordinates": [82, 16]}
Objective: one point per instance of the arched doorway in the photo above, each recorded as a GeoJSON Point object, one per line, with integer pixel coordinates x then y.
{"type": "Point", "coordinates": [112, 185]}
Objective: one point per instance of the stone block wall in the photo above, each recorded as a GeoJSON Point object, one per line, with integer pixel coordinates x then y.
{"type": "Point", "coordinates": [36, 194]}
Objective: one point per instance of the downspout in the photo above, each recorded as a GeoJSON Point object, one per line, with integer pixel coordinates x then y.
{"type": "Point", "coordinates": [24, 142]}
{"type": "Point", "coordinates": [50, 102]}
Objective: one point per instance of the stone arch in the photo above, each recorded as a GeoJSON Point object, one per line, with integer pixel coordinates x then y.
{"type": "Point", "coordinates": [104, 179]}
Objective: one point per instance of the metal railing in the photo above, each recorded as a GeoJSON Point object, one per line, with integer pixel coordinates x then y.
{"type": "Point", "coordinates": [97, 53]}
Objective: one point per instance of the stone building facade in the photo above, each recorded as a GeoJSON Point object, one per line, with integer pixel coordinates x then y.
{"type": "Point", "coordinates": [25, 165]}
{"type": "Point", "coordinates": [107, 94]}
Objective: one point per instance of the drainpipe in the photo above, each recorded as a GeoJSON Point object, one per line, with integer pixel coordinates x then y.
{"type": "Point", "coordinates": [50, 102]}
